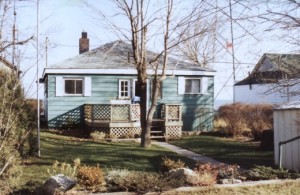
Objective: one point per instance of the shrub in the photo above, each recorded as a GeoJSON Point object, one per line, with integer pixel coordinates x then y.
{"type": "Point", "coordinates": [228, 171]}
{"type": "Point", "coordinates": [91, 177]}
{"type": "Point", "coordinates": [259, 118]}
{"type": "Point", "coordinates": [208, 174]}
{"type": "Point", "coordinates": [266, 173]}
{"type": "Point", "coordinates": [239, 117]}
{"type": "Point", "coordinates": [139, 182]}
{"type": "Point", "coordinates": [64, 168]}
{"type": "Point", "coordinates": [15, 125]}
{"type": "Point", "coordinates": [232, 115]}
{"type": "Point", "coordinates": [169, 164]}
{"type": "Point", "coordinates": [216, 172]}
{"type": "Point", "coordinates": [98, 135]}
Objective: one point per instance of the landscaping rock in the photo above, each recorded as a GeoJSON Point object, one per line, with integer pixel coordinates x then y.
{"type": "Point", "coordinates": [189, 176]}
{"type": "Point", "coordinates": [230, 181]}
{"type": "Point", "coordinates": [57, 183]}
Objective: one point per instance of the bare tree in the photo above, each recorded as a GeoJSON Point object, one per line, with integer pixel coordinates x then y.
{"type": "Point", "coordinates": [202, 49]}
{"type": "Point", "coordinates": [13, 120]}
{"type": "Point", "coordinates": [283, 20]}
{"type": "Point", "coordinates": [283, 17]}
{"type": "Point", "coordinates": [165, 25]}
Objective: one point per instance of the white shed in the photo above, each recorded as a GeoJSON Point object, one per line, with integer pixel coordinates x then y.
{"type": "Point", "coordinates": [287, 134]}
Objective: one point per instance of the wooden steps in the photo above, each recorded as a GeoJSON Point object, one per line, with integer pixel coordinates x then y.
{"type": "Point", "coordinates": [157, 133]}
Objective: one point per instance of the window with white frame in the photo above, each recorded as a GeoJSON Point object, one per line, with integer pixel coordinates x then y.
{"type": "Point", "coordinates": [124, 89]}
{"type": "Point", "coordinates": [73, 86]}
{"type": "Point", "coordinates": [193, 85]}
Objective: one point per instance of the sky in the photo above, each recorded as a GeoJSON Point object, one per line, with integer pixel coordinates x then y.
{"type": "Point", "coordinates": [62, 21]}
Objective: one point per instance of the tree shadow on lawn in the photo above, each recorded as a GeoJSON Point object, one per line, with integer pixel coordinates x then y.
{"type": "Point", "coordinates": [109, 155]}
{"type": "Point", "coordinates": [245, 154]}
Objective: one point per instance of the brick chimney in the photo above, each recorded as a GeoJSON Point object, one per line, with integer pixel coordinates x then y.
{"type": "Point", "coordinates": [84, 43]}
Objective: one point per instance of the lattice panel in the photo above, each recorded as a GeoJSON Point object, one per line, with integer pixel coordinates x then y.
{"type": "Point", "coordinates": [135, 111]}
{"type": "Point", "coordinates": [101, 112]}
{"type": "Point", "coordinates": [125, 131]}
{"type": "Point", "coordinates": [173, 132]}
{"type": "Point", "coordinates": [173, 112]}
{"type": "Point", "coordinates": [136, 130]}
{"type": "Point", "coordinates": [119, 131]}
{"type": "Point", "coordinates": [120, 113]}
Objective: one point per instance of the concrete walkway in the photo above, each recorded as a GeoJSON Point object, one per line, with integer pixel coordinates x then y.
{"type": "Point", "coordinates": [187, 153]}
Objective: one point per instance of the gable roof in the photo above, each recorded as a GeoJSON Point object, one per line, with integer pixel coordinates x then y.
{"type": "Point", "coordinates": [116, 58]}
{"type": "Point", "coordinates": [273, 67]}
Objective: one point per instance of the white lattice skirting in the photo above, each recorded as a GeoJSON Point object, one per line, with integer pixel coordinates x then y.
{"type": "Point", "coordinates": [125, 131]}
{"type": "Point", "coordinates": [173, 132]}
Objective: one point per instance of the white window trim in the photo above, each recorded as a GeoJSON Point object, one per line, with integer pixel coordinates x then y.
{"type": "Point", "coordinates": [129, 89]}
{"type": "Point", "coordinates": [203, 85]}
{"type": "Point", "coordinates": [73, 79]}
{"type": "Point", "coordinates": [60, 86]}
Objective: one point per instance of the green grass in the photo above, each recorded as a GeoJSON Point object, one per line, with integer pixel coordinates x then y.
{"type": "Point", "coordinates": [116, 155]}
{"type": "Point", "coordinates": [244, 153]}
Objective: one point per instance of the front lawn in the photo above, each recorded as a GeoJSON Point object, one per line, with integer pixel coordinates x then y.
{"type": "Point", "coordinates": [244, 153]}
{"type": "Point", "coordinates": [116, 155]}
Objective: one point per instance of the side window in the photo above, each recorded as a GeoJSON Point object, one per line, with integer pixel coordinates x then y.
{"type": "Point", "coordinates": [124, 89]}
{"type": "Point", "coordinates": [73, 86]}
{"type": "Point", "coordinates": [192, 85]}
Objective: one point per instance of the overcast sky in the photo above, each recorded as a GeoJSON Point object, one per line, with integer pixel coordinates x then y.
{"type": "Point", "coordinates": [62, 21]}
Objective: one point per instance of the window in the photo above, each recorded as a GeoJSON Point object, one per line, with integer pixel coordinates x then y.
{"type": "Point", "coordinates": [192, 86]}
{"type": "Point", "coordinates": [74, 86]}
{"type": "Point", "coordinates": [124, 89]}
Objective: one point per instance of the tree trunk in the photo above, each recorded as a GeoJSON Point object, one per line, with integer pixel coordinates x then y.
{"type": "Point", "coordinates": [145, 125]}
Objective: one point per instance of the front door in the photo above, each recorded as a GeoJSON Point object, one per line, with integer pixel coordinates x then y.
{"type": "Point", "coordinates": [136, 93]}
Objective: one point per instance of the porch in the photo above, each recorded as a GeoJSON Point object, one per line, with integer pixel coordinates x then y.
{"type": "Point", "coordinates": [123, 120]}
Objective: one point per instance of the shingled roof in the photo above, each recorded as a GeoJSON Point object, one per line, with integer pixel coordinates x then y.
{"type": "Point", "coordinates": [273, 67]}
{"type": "Point", "coordinates": [117, 55]}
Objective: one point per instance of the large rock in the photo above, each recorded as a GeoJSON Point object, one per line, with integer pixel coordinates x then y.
{"type": "Point", "coordinates": [189, 176]}
{"type": "Point", "coordinates": [57, 183]}
{"type": "Point", "coordinates": [230, 181]}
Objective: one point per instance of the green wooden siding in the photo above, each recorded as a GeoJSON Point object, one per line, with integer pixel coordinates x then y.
{"type": "Point", "coordinates": [65, 111]}
{"type": "Point", "coordinates": [197, 110]}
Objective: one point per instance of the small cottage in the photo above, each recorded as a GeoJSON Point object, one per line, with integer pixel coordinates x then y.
{"type": "Point", "coordinates": [274, 80]}
{"type": "Point", "coordinates": [287, 136]}
{"type": "Point", "coordinates": [97, 89]}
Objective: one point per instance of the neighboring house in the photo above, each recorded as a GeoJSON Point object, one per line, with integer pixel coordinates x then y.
{"type": "Point", "coordinates": [98, 88]}
{"type": "Point", "coordinates": [275, 79]}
